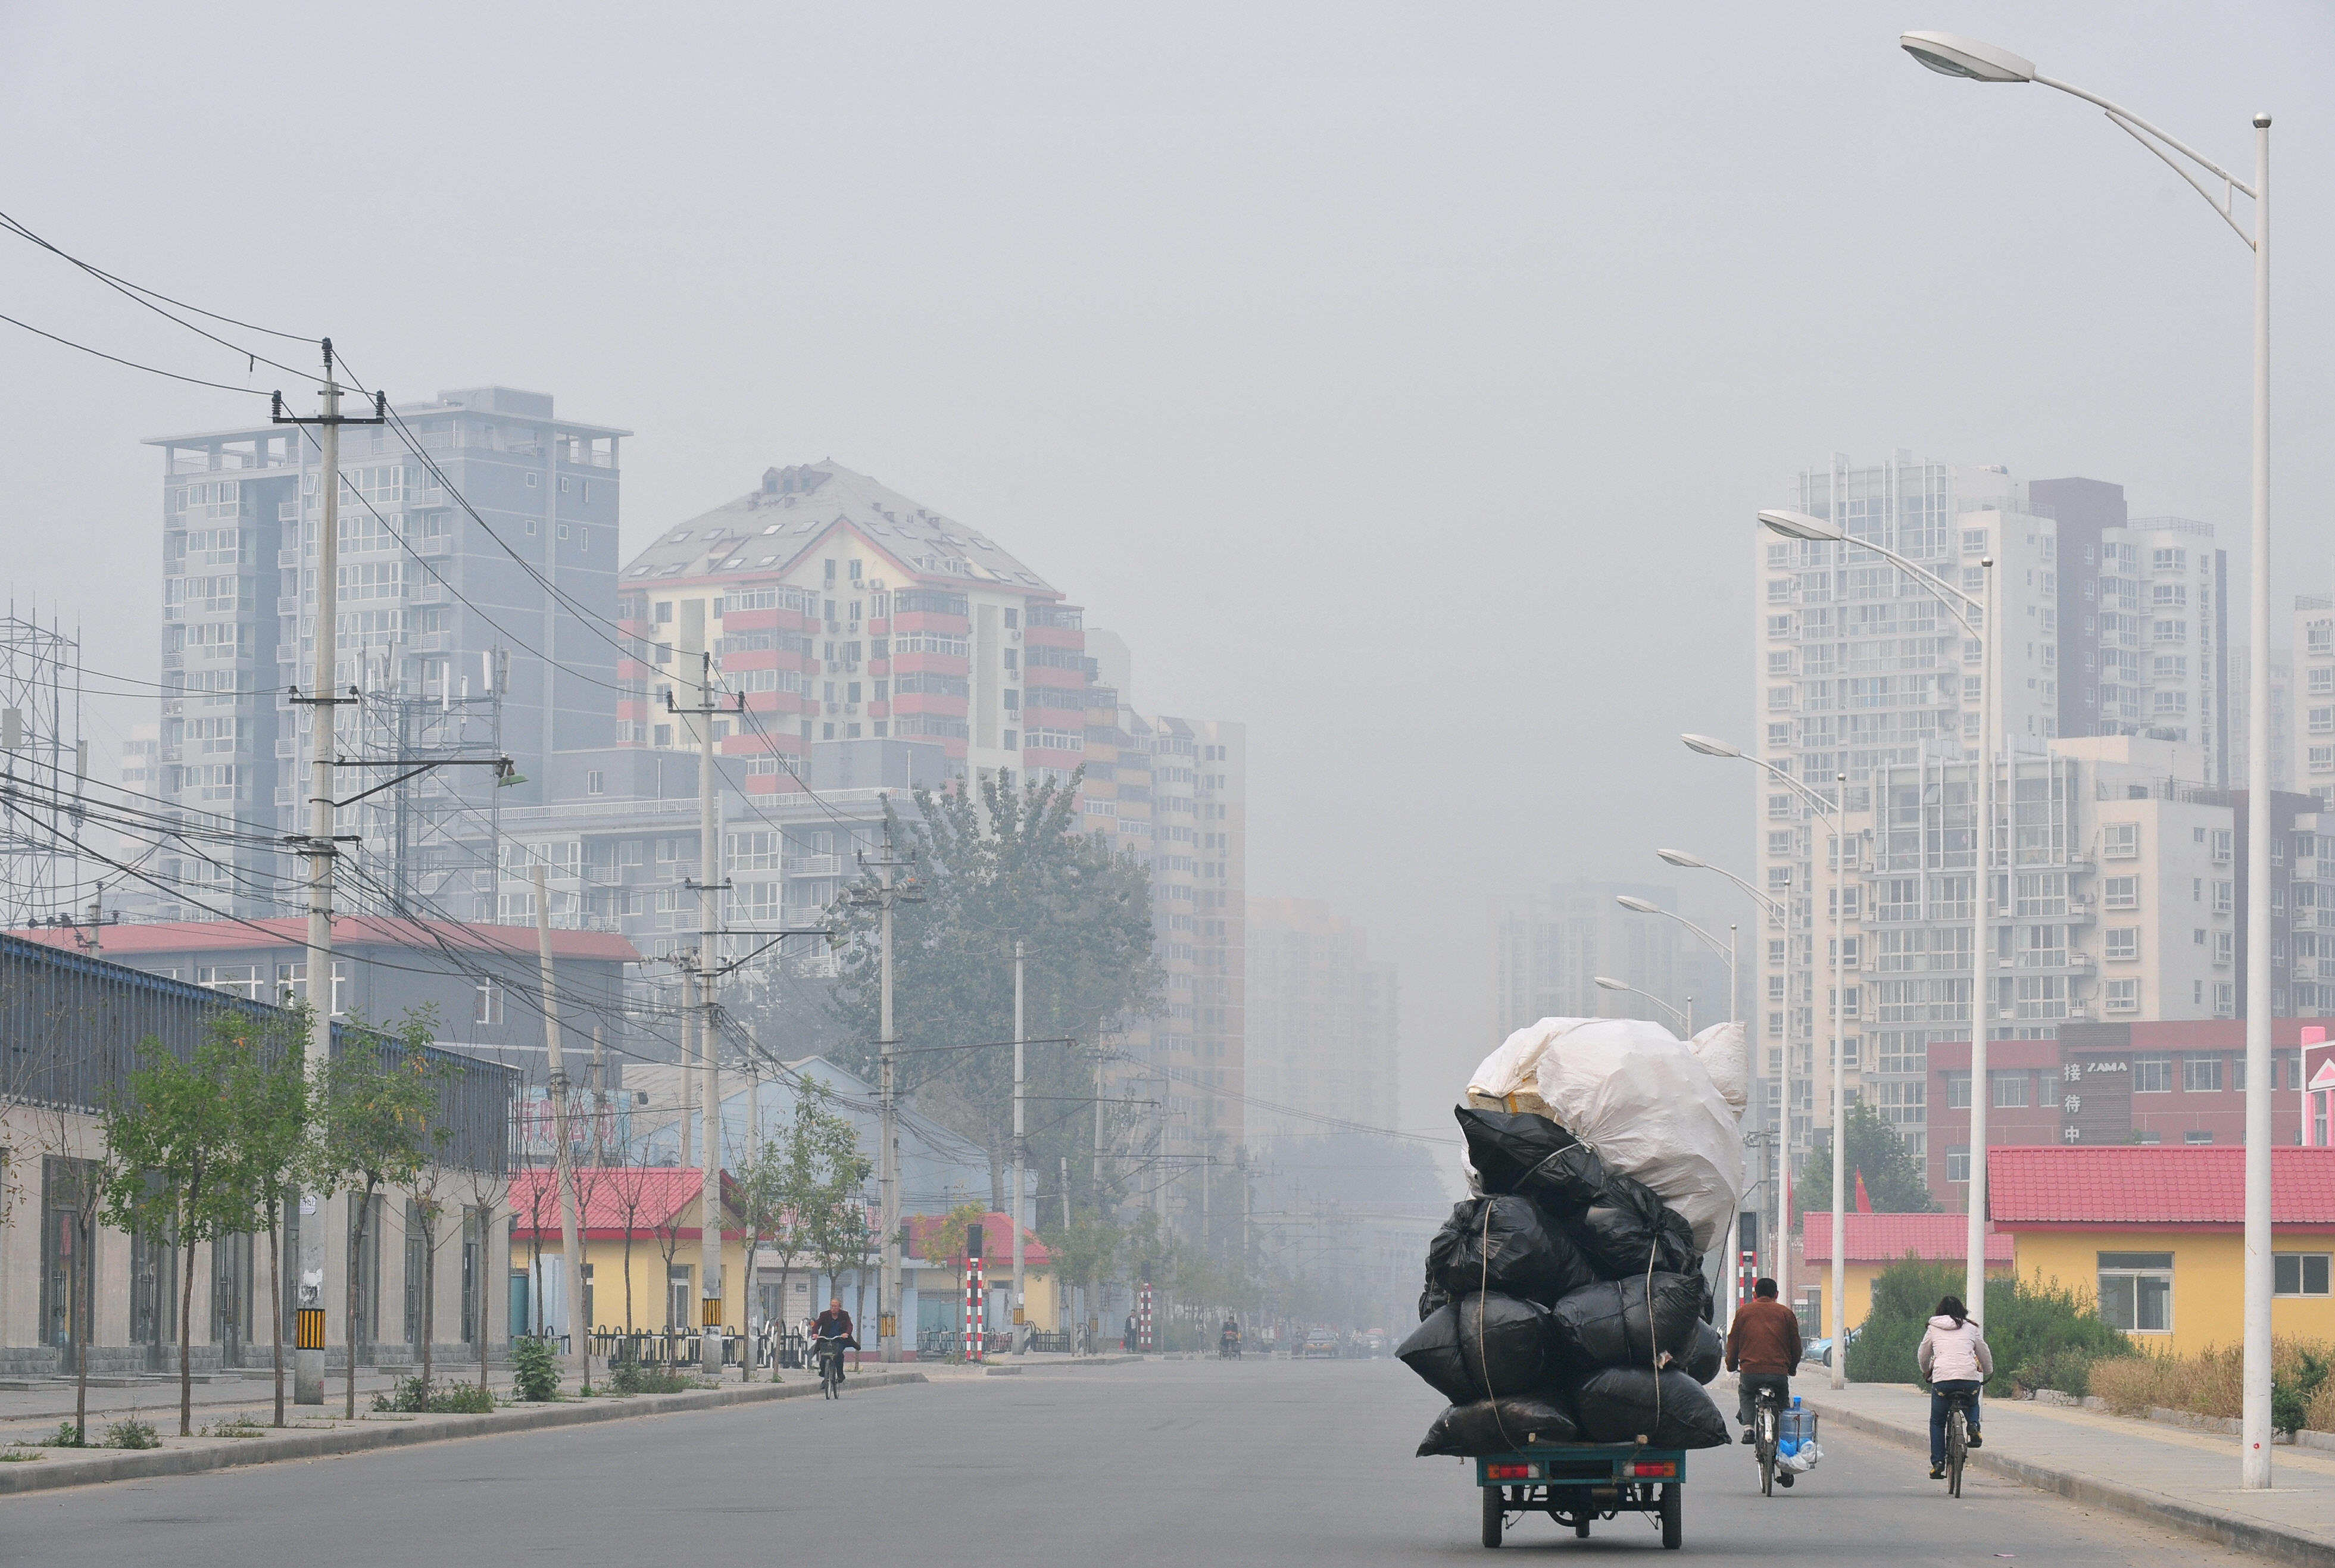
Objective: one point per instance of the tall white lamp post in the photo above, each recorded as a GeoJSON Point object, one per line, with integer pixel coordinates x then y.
{"type": "Point", "coordinates": [1974, 612]}
{"type": "Point", "coordinates": [1950, 55]}
{"type": "Point", "coordinates": [1829, 812]}
{"type": "Point", "coordinates": [1678, 1017]}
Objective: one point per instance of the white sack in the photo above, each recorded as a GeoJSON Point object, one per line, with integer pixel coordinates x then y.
{"type": "Point", "coordinates": [1638, 1093]}
{"type": "Point", "coordinates": [1801, 1460]}
{"type": "Point", "coordinates": [1727, 1060]}
{"type": "Point", "coordinates": [1509, 1079]}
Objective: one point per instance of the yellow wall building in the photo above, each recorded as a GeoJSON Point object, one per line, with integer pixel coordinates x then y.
{"type": "Point", "coordinates": [1876, 1241]}
{"type": "Point", "coordinates": [2156, 1235]}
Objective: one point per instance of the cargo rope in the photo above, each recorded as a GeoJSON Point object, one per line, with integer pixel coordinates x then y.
{"type": "Point", "coordinates": [1483, 1362]}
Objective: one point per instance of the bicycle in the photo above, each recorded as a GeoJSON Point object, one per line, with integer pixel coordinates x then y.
{"type": "Point", "coordinates": [1958, 1405]}
{"type": "Point", "coordinates": [830, 1369]}
{"type": "Point", "coordinates": [1767, 1434]}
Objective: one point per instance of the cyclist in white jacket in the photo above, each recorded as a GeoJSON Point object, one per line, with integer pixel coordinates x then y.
{"type": "Point", "coordinates": [1954, 1357]}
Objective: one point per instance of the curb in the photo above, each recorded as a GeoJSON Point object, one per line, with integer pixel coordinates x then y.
{"type": "Point", "coordinates": [2212, 1523]}
{"type": "Point", "coordinates": [1079, 1365]}
{"type": "Point", "coordinates": [42, 1476]}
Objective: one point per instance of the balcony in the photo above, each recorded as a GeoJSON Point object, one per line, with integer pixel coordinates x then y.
{"type": "Point", "coordinates": [2080, 911]}
{"type": "Point", "coordinates": [816, 866]}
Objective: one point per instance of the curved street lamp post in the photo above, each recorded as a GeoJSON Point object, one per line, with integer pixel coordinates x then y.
{"type": "Point", "coordinates": [1951, 54]}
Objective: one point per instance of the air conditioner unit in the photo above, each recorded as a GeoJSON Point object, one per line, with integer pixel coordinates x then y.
{"type": "Point", "coordinates": [835, 707]}
{"type": "Point", "coordinates": [1014, 634]}
{"type": "Point", "coordinates": [851, 666]}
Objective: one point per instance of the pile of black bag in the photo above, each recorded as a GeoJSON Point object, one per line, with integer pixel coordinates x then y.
{"type": "Point", "coordinates": [1566, 1305]}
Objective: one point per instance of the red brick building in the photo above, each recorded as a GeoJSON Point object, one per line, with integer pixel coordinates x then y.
{"type": "Point", "coordinates": [2176, 1083]}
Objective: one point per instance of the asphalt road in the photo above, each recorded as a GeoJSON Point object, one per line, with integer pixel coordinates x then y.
{"type": "Point", "coordinates": [1179, 1463]}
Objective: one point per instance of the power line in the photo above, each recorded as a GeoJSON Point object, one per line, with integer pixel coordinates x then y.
{"type": "Point", "coordinates": [132, 363]}
{"type": "Point", "coordinates": [16, 226]}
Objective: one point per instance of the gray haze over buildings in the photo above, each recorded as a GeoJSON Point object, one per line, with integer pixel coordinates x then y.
{"type": "Point", "coordinates": [1399, 381]}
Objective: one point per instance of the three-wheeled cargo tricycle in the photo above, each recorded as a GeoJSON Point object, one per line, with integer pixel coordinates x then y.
{"type": "Point", "coordinates": [1577, 1484]}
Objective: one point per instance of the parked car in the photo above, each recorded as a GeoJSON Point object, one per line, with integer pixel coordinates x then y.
{"type": "Point", "coordinates": [1820, 1351]}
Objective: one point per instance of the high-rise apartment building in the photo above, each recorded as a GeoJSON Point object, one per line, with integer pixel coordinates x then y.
{"type": "Point", "coordinates": [877, 641]}
{"type": "Point", "coordinates": [1551, 951]}
{"type": "Point", "coordinates": [2112, 670]}
{"type": "Point", "coordinates": [1322, 1019]}
{"type": "Point", "coordinates": [445, 624]}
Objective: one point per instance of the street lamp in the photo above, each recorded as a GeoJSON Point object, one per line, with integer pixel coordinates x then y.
{"type": "Point", "coordinates": [1831, 811]}
{"type": "Point", "coordinates": [1726, 950]}
{"type": "Point", "coordinates": [1777, 914]}
{"type": "Point", "coordinates": [1647, 907]}
{"type": "Point", "coordinates": [1606, 983]}
{"type": "Point", "coordinates": [1814, 530]}
{"type": "Point", "coordinates": [1952, 56]}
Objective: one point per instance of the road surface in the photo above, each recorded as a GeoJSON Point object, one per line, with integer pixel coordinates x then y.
{"type": "Point", "coordinates": [1198, 1465]}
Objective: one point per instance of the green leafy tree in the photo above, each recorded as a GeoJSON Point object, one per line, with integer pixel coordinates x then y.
{"type": "Point", "coordinates": [375, 1119]}
{"type": "Point", "coordinates": [838, 1170]}
{"type": "Point", "coordinates": [169, 1164]}
{"type": "Point", "coordinates": [1893, 1178]}
{"type": "Point", "coordinates": [1002, 861]}
{"type": "Point", "coordinates": [270, 1107]}
{"type": "Point", "coordinates": [1085, 1249]}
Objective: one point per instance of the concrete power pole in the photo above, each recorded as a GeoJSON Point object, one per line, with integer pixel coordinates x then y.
{"type": "Point", "coordinates": [1020, 1153]}
{"type": "Point", "coordinates": [886, 895]}
{"type": "Point", "coordinates": [563, 1152]}
{"type": "Point", "coordinates": [710, 885]}
{"type": "Point", "coordinates": [319, 848]}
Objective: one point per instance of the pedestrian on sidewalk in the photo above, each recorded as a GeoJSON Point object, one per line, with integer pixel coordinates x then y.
{"type": "Point", "coordinates": [1954, 1357]}
{"type": "Point", "coordinates": [1763, 1348]}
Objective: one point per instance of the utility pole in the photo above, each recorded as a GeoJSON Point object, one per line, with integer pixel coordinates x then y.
{"type": "Point", "coordinates": [710, 885]}
{"type": "Point", "coordinates": [1021, 1151]}
{"type": "Point", "coordinates": [320, 846]}
{"type": "Point", "coordinates": [563, 1152]}
{"type": "Point", "coordinates": [884, 895]}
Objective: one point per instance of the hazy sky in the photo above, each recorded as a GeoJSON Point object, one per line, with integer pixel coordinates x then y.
{"type": "Point", "coordinates": [1397, 380]}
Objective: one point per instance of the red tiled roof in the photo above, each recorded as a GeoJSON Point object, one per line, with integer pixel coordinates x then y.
{"type": "Point", "coordinates": [653, 1197]}
{"type": "Point", "coordinates": [348, 931]}
{"type": "Point", "coordinates": [1886, 1238]}
{"type": "Point", "coordinates": [2143, 1185]}
{"type": "Point", "coordinates": [996, 1241]}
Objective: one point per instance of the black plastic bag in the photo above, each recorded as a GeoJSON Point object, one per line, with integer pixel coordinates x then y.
{"type": "Point", "coordinates": [1432, 1297]}
{"type": "Point", "coordinates": [1480, 1345]}
{"type": "Point", "coordinates": [1497, 1426]}
{"type": "Point", "coordinates": [1608, 1324]}
{"type": "Point", "coordinates": [1628, 1226]}
{"type": "Point", "coordinates": [1520, 1152]}
{"type": "Point", "coordinates": [1709, 1353]}
{"type": "Point", "coordinates": [1621, 1405]}
{"type": "Point", "coordinates": [1504, 1243]}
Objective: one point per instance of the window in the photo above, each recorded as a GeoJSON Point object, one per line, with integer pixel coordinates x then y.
{"type": "Point", "coordinates": [2120, 840]}
{"type": "Point", "coordinates": [2299, 1274]}
{"type": "Point", "coordinates": [2225, 946]}
{"type": "Point", "coordinates": [2225, 897]}
{"type": "Point", "coordinates": [2124, 995]}
{"type": "Point", "coordinates": [1958, 1091]}
{"type": "Point", "coordinates": [2223, 838]}
{"type": "Point", "coordinates": [596, 782]}
{"type": "Point", "coordinates": [1958, 1163]}
{"type": "Point", "coordinates": [2196, 1140]}
{"type": "Point", "coordinates": [2151, 1074]}
{"type": "Point", "coordinates": [2137, 1291]}
{"type": "Point", "coordinates": [2122, 944]}
{"type": "Point", "coordinates": [486, 1002]}
{"type": "Point", "coordinates": [2120, 892]}
{"type": "Point", "coordinates": [2009, 1089]}
{"type": "Point", "coordinates": [2201, 1074]}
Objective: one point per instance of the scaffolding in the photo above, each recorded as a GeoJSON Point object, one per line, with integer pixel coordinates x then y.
{"type": "Point", "coordinates": [45, 761]}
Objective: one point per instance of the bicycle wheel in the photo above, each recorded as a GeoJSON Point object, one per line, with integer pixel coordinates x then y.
{"type": "Point", "coordinates": [1767, 1444]}
{"type": "Point", "coordinates": [1957, 1446]}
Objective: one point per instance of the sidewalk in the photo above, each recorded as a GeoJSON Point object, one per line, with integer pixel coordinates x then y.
{"type": "Point", "coordinates": [315, 1435]}
{"type": "Point", "coordinates": [2186, 1480]}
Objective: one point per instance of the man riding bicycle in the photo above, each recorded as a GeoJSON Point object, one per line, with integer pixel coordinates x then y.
{"type": "Point", "coordinates": [1763, 1347]}
{"type": "Point", "coordinates": [830, 1334]}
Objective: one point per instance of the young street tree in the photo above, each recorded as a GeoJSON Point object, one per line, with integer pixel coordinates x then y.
{"type": "Point", "coordinates": [1085, 1251]}
{"type": "Point", "coordinates": [170, 1163]}
{"type": "Point", "coordinates": [486, 1188]}
{"type": "Point", "coordinates": [376, 1117]}
{"type": "Point", "coordinates": [268, 1111]}
{"type": "Point", "coordinates": [1004, 863]}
